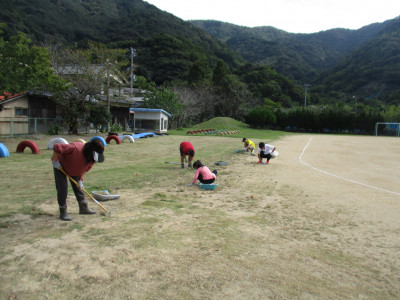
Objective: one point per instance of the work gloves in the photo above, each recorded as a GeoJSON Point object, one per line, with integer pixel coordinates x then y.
{"type": "Point", "coordinates": [80, 184]}
{"type": "Point", "coordinates": [56, 164]}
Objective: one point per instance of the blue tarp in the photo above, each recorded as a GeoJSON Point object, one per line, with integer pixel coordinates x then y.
{"type": "Point", "coordinates": [139, 135]}
{"type": "Point", "coordinates": [142, 135]}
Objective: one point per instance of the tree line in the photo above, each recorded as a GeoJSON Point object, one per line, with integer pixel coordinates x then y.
{"type": "Point", "coordinates": [339, 118]}
{"type": "Point", "coordinates": [257, 95]}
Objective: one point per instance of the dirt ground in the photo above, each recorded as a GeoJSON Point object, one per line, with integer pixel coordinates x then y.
{"type": "Point", "coordinates": [321, 221]}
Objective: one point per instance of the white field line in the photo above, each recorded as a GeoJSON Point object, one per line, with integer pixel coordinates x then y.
{"type": "Point", "coordinates": [349, 180]}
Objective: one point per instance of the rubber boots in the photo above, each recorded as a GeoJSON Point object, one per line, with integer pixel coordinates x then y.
{"type": "Point", "coordinates": [84, 209]}
{"type": "Point", "coordinates": [64, 215]}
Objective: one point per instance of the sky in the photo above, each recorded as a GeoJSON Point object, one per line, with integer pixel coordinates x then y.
{"type": "Point", "coordinates": [295, 16]}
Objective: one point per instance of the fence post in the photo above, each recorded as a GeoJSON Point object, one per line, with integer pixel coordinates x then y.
{"type": "Point", "coordinates": [11, 127]}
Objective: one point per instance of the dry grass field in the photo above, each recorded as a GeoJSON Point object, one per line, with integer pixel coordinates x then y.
{"type": "Point", "coordinates": [321, 221]}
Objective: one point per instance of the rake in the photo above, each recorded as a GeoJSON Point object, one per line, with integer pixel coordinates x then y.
{"type": "Point", "coordinates": [91, 197]}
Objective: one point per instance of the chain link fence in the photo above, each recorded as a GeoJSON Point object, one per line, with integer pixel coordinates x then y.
{"type": "Point", "coordinates": [10, 127]}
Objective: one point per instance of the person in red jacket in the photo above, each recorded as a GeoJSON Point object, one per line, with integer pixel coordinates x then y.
{"type": "Point", "coordinates": [186, 148]}
{"type": "Point", "coordinates": [75, 159]}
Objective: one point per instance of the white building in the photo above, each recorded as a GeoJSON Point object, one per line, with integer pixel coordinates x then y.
{"type": "Point", "coordinates": [149, 119]}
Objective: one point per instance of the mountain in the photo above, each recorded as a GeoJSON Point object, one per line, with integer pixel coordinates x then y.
{"type": "Point", "coordinates": [370, 70]}
{"type": "Point", "coordinates": [363, 61]}
{"type": "Point", "coordinates": [166, 45]}
{"type": "Point", "coordinates": [301, 57]}
{"type": "Point", "coordinates": [224, 31]}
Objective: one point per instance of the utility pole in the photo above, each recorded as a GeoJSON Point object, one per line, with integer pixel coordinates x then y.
{"type": "Point", "coordinates": [108, 94]}
{"type": "Point", "coordinates": [305, 94]}
{"type": "Point", "coordinates": [133, 54]}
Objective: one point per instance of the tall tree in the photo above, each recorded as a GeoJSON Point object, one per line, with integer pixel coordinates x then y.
{"type": "Point", "coordinates": [220, 73]}
{"type": "Point", "coordinates": [88, 72]}
{"type": "Point", "coordinates": [392, 114]}
{"type": "Point", "coordinates": [198, 73]}
{"type": "Point", "coordinates": [24, 66]}
{"type": "Point", "coordinates": [164, 99]}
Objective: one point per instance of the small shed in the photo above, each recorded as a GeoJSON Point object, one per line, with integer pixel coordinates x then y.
{"type": "Point", "coordinates": [150, 119]}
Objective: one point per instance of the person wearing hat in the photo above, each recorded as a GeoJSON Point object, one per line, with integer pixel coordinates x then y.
{"type": "Point", "coordinates": [249, 145]}
{"type": "Point", "coordinates": [75, 159]}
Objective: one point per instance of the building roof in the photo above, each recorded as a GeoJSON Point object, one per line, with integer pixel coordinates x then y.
{"type": "Point", "coordinates": [150, 110]}
{"type": "Point", "coordinates": [9, 97]}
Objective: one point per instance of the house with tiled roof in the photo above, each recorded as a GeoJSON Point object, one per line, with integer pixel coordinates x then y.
{"type": "Point", "coordinates": [26, 113]}
{"type": "Point", "coordinates": [34, 111]}
{"type": "Point", "coordinates": [14, 114]}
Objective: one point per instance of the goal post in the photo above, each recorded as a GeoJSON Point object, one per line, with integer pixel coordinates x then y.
{"type": "Point", "coordinates": [387, 129]}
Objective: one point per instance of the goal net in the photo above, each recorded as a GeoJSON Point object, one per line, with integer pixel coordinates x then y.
{"type": "Point", "coordinates": [387, 129]}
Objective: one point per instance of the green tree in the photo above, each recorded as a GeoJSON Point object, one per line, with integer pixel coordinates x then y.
{"type": "Point", "coordinates": [198, 73]}
{"type": "Point", "coordinates": [272, 105]}
{"type": "Point", "coordinates": [24, 66]}
{"type": "Point", "coordinates": [88, 72]}
{"type": "Point", "coordinates": [164, 99]}
{"type": "Point", "coordinates": [142, 83]}
{"type": "Point", "coordinates": [260, 117]}
{"type": "Point", "coordinates": [233, 98]}
{"type": "Point", "coordinates": [220, 74]}
{"type": "Point", "coordinates": [392, 114]}
{"type": "Point", "coordinates": [99, 115]}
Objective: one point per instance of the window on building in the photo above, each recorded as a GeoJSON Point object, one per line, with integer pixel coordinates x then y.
{"type": "Point", "coordinates": [21, 112]}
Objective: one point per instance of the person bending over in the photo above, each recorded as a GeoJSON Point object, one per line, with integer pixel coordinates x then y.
{"type": "Point", "coordinates": [75, 159]}
{"type": "Point", "coordinates": [186, 148]}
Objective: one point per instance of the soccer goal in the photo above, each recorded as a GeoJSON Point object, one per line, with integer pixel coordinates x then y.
{"type": "Point", "coordinates": [387, 129]}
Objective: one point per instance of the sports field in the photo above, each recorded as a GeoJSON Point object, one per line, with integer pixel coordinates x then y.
{"type": "Point", "coordinates": [321, 221]}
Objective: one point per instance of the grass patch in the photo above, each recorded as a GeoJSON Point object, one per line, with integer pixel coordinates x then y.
{"type": "Point", "coordinates": [251, 238]}
{"type": "Point", "coordinates": [229, 124]}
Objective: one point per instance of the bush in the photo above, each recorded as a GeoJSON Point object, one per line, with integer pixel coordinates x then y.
{"type": "Point", "coordinates": [116, 128]}
{"type": "Point", "coordinates": [54, 130]}
{"type": "Point", "coordinates": [260, 117]}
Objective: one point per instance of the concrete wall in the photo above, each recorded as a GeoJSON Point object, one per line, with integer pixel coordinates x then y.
{"type": "Point", "coordinates": [10, 123]}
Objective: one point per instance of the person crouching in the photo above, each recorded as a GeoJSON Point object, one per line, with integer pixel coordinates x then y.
{"type": "Point", "coordinates": [265, 151]}
{"type": "Point", "coordinates": [203, 173]}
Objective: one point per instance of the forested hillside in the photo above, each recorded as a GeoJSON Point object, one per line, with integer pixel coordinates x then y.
{"type": "Point", "coordinates": [300, 56]}
{"type": "Point", "coordinates": [371, 70]}
{"type": "Point", "coordinates": [264, 63]}
{"type": "Point", "coordinates": [166, 46]}
{"type": "Point", "coordinates": [336, 62]}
